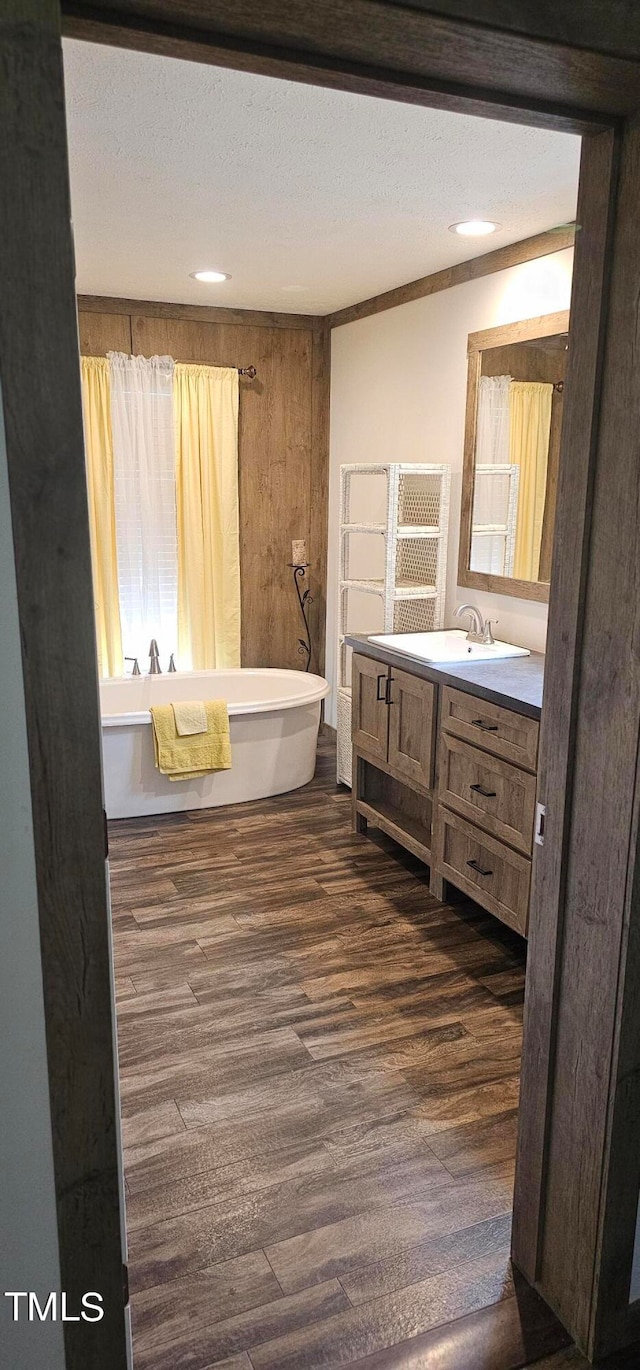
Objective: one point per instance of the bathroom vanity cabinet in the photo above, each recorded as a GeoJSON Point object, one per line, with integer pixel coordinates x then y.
{"type": "Point", "coordinates": [445, 762]}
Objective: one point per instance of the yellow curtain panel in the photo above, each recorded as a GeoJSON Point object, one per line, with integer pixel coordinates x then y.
{"type": "Point", "coordinates": [529, 425]}
{"type": "Point", "coordinates": [206, 418]}
{"type": "Point", "coordinates": [96, 402]}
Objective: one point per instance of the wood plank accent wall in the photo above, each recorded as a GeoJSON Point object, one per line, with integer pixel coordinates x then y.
{"type": "Point", "coordinates": [283, 446]}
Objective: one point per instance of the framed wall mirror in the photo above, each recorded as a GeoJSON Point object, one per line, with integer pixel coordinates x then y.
{"type": "Point", "coordinates": [513, 424]}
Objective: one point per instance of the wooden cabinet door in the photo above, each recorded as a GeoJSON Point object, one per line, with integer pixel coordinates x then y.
{"type": "Point", "coordinates": [370, 711]}
{"type": "Point", "coordinates": [411, 727]}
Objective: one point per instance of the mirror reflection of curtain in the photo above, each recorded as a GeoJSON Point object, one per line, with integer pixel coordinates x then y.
{"type": "Point", "coordinates": [98, 442]}
{"type": "Point", "coordinates": [530, 423]}
{"type": "Point", "coordinates": [206, 417]}
{"type": "Point", "coordinates": [492, 438]}
{"type": "Point", "coordinates": [490, 495]}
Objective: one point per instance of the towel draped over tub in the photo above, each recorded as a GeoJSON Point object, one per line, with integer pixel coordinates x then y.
{"type": "Point", "coordinates": [193, 755]}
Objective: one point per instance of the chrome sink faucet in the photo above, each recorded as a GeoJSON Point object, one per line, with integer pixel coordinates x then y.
{"type": "Point", "coordinates": [154, 658]}
{"type": "Point", "coordinates": [479, 631]}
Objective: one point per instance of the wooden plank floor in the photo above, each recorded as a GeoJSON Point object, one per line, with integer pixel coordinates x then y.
{"type": "Point", "coordinates": [319, 1074]}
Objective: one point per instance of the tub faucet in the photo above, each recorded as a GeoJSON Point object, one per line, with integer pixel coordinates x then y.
{"type": "Point", "coordinates": [136, 668]}
{"type": "Point", "coordinates": [476, 626]}
{"type": "Point", "coordinates": [154, 658]}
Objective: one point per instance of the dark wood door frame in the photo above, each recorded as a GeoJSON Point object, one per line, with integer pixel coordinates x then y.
{"type": "Point", "coordinates": [579, 1144]}
{"type": "Point", "coordinates": [40, 394]}
{"type": "Point", "coordinates": [578, 1171]}
{"type": "Point", "coordinates": [393, 50]}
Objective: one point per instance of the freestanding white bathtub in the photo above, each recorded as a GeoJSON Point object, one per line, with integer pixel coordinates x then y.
{"type": "Point", "coordinates": [274, 718]}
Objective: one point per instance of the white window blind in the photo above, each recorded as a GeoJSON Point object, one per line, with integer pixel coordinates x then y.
{"type": "Point", "coordinates": [142, 417]}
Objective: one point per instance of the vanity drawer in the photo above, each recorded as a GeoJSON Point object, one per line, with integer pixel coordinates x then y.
{"type": "Point", "coordinates": [488, 791]}
{"type": "Point", "coordinates": [490, 726]}
{"type": "Point", "coordinates": [491, 873]}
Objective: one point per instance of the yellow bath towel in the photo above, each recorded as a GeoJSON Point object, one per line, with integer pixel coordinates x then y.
{"type": "Point", "coordinates": [189, 758]}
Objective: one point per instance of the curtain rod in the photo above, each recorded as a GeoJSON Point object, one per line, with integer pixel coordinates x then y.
{"type": "Point", "coordinates": [248, 371]}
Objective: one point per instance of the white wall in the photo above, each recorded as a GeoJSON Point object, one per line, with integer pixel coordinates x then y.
{"type": "Point", "coordinates": [398, 390]}
{"type": "Point", "coordinates": [29, 1241]}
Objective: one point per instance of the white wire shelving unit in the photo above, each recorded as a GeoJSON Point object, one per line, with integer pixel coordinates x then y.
{"type": "Point", "coordinates": [394, 522]}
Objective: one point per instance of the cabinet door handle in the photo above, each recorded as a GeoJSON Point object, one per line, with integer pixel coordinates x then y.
{"type": "Point", "coordinates": [387, 692]}
{"type": "Point", "coordinates": [486, 794]}
{"type": "Point", "coordinates": [475, 866]}
{"type": "Point", "coordinates": [381, 698]}
{"type": "Point", "coordinates": [486, 727]}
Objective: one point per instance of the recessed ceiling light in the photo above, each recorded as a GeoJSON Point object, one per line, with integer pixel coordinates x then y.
{"type": "Point", "coordinates": [474, 228]}
{"type": "Point", "coordinates": [210, 277]}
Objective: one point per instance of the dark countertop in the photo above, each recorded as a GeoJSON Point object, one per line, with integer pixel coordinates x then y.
{"type": "Point", "coordinates": [515, 682]}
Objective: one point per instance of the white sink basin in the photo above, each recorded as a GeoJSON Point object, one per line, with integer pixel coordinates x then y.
{"type": "Point", "coordinates": [450, 645]}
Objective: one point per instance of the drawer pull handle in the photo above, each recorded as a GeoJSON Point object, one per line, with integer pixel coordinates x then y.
{"type": "Point", "coordinates": [486, 794]}
{"type": "Point", "coordinates": [381, 698]}
{"type": "Point", "coordinates": [387, 692]}
{"type": "Point", "coordinates": [486, 727]}
{"type": "Point", "coordinates": [475, 866]}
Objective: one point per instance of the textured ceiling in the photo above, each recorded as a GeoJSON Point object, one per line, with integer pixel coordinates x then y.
{"type": "Point", "coordinates": [312, 199]}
